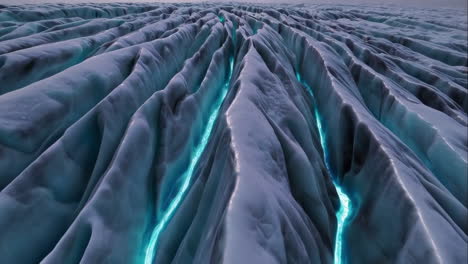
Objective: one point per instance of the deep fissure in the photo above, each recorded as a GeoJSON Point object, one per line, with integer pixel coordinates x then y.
{"type": "Point", "coordinates": [188, 173]}
{"type": "Point", "coordinates": [345, 202]}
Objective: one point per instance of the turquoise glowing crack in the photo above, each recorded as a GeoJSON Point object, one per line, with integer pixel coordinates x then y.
{"type": "Point", "coordinates": [187, 175]}
{"type": "Point", "coordinates": [342, 215]}
{"type": "Point", "coordinates": [345, 203]}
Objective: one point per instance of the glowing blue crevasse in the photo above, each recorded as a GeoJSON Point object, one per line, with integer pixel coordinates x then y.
{"type": "Point", "coordinates": [187, 175]}
{"type": "Point", "coordinates": [345, 203]}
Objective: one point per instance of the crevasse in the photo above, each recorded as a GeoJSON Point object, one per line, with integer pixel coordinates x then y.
{"type": "Point", "coordinates": [187, 175]}
{"type": "Point", "coordinates": [345, 203]}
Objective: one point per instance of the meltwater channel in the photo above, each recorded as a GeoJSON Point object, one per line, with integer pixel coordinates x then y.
{"type": "Point", "coordinates": [345, 203]}
{"type": "Point", "coordinates": [187, 175]}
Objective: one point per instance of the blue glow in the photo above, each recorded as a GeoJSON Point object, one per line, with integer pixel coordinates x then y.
{"type": "Point", "coordinates": [187, 175]}
{"type": "Point", "coordinates": [345, 203]}
{"type": "Point", "coordinates": [341, 215]}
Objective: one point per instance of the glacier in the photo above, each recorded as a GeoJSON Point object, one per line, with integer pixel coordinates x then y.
{"type": "Point", "coordinates": [233, 133]}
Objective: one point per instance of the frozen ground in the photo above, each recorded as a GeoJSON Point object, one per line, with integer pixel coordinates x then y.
{"type": "Point", "coordinates": [229, 133]}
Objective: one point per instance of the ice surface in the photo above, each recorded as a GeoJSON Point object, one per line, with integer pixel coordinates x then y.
{"type": "Point", "coordinates": [232, 133]}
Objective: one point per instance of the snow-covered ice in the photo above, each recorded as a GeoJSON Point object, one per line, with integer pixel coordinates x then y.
{"type": "Point", "coordinates": [233, 133]}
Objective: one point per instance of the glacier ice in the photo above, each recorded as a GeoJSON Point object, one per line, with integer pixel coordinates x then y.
{"type": "Point", "coordinates": [233, 133]}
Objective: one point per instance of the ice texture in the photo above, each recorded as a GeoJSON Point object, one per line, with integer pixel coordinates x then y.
{"type": "Point", "coordinates": [233, 133]}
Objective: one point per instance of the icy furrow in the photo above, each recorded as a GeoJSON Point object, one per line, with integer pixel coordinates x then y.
{"type": "Point", "coordinates": [406, 117]}
{"type": "Point", "coordinates": [364, 157]}
{"type": "Point", "coordinates": [89, 158]}
{"type": "Point", "coordinates": [168, 202]}
{"type": "Point", "coordinates": [232, 133]}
